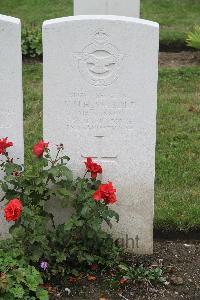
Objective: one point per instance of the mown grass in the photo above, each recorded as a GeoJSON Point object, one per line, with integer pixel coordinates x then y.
{"type": "Point", "coordinates": [176, 17]}
{"type": "Point", "coordinates": [34, 12]}
{"type": "Point", "coordinates": [32, 77]}
{"type": "Point", "coordinates": [178, 156]}
{"type": "Point", "coordinates": [177, 196]}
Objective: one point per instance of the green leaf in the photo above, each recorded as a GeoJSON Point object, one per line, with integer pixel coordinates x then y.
{"type": "Point", "coordinates": [89, 258]}
{"type": "Point", "coordinates": [61, 257]}
{"type": "Point", "coordinates": [193, 39]}
{"type": "Point", "coordinates": [66, 157]}
{"type": "Point", "coordinates": [4, 187]}
{"type": "Point", "coordinates": [113, 214]}
{"type": "Point", "coordinates": [123, 267]}
{"type": "Point", "coordinates": [68, 226]}
{"type": "Point", "coordinates": [61, 171]}
{"type": "Point", "coordinates": [33, 278]}
{"type": "Point", "coordinates": [79, 223]}
{"type": "Point", "coordinates": [17, 291]}
{"type": "Point", "coordinates": [42, 294]}
{"type": "Point", "coordinates": [85, 210]}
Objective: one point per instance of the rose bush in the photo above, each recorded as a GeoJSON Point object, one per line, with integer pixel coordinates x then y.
{"type": "Point", "coordinates": [57, 251]}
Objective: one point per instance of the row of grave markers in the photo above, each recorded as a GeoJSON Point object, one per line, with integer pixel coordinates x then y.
{"type": "Point", "coordinates": [100, 92]}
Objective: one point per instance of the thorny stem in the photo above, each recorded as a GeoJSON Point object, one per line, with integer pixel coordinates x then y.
{"type": "Point", "coordinates": [48, 178]}
{"type": "Point", "coordinates": [56, 159]}
{"type": "Point", "coordinates": [52, 220]}
{"type": "Point", "coordinates": [53, 162]}
{"type": "Point", "coordinates": [7, 157]}
{"type": "Point", "coordinates": [85, 174]}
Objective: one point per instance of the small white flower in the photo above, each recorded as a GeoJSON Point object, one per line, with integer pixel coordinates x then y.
{"type": "Point", "coordinates": [68, 291]}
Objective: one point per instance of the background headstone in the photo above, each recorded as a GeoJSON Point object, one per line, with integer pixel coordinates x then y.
{"type": "Point", "coordinates": [128, 8]}
{"type": "Point", "coordinates": [11, 99]}
{"type": "Point", "coordinates": [100, 95]}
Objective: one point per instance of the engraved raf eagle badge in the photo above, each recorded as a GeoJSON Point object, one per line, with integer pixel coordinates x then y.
{"type": "Point", "coordinates": [99, 62]}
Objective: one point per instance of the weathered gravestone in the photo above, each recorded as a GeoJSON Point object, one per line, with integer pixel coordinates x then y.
{"type": "Point", "coordinates": [100, 95]}
{"type": "Point", "coordinates": [11, 100]}
{"type": "Point", "coordinates": [129, 8]}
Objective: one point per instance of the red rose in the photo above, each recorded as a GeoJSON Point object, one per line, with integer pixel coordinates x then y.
{"type": "Point", "coordinates": [39, 148]}
{"type": "Point", "coordinates": [4, 144]}
{"type": "Point", "coordinates": [13, 210]}
{"type": "Point", "coordinates": [105, 192]}
{"type": "Point", "coordinates": [93, 168]}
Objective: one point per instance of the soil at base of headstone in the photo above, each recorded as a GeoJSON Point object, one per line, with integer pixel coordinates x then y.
{"type": "Point", "coordinates": [180, 262]}
{"type": "Point", "coordinates": [179, 59]}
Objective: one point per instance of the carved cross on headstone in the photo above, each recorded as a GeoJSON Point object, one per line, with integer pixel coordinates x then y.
{"type": "Point", "coordinates": [100, 157]}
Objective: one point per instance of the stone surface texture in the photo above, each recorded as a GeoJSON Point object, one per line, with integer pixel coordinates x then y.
{"type": "Point", "coordinates": [11, 99]}
{"type": "Point", "coordinates": [100, 99]}
{"type": "Point", "coordinates": [128, 8]}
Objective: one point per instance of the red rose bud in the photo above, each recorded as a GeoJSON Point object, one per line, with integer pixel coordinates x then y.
{"type": "Point", "coordinates": [93, 167]}
{"type": "Point", "coordinates": [4, 144]}
{"type": "Point", "coordinates": [39, 148]}
{"type": "Point", "coordinates": [13, 210]}
{"type": "Point", "coordinates": [105, 192]}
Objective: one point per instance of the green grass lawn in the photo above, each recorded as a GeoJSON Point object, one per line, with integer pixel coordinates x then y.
{"type": "Point", "coordinates": [178, 139]}
{"type": "Point", "coordinates": [176, 17]}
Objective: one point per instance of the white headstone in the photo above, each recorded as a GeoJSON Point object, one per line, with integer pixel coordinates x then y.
{"type": "Point", "coordinates": [100, 96]}
{"type": "Point", "coordinates": [11, 99]}
{"type": "Point", "coordinates": [128, 8]}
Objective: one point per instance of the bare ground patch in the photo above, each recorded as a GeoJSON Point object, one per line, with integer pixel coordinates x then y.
{"type": "Point", "coordinates": [179, 59]}
{"type": "Point", "coordinates": [180, 262]}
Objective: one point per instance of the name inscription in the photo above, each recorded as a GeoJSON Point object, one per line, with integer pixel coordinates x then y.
{"type": "Point", "coordinates": [100, 111]}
